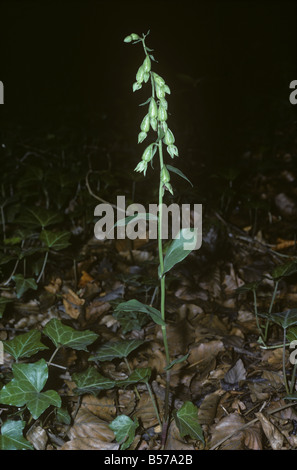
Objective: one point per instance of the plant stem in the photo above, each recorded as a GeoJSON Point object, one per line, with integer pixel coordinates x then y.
{"type": "Point", "coordinates": [130, 372]}
{"type": "Point", "coordinates": [293, 378]}
{"type": "Point", "coordinates": [284, 363]}
{"type": "Point", "coordinates": [163, 287]}
{"type": "Point", "coordinates": [53, 355]}
{"type": "Point", "coordinates": [270, 309]}
{"type": "Point", "coordinates": [43, 267]}
{"type": "Point", "coordinates": [153, 402]}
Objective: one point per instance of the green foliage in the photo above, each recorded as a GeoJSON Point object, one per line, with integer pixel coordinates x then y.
{"type": "Point", "coordinates": [12, 436]}
{"type": "Point", "coordinates": [186, 419]}
{"type": "Point", "coordinates": [25, 388]}
{"type": "Point", "coordinates": [115, 349]}
{"type": "Point", "coordinates": [25, 345]}
{"type": "Point", "coordinates": [63, 335]}
{"type": "Point", "coordinates": [124, 429]}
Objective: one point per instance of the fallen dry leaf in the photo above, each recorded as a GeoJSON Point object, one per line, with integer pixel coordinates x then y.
{"type": "Point", "coordinates": [72, 303]}
{"type": "Point", "coordinates": [241, 438]}
{"type": "Point", "coordinates": [274, 436]}
{"type": "Point", "coordinates": [85, 279]}
{"type": "Point", "coordinates": [103, 407]}
{"type": "Point", "coordinates": [38, 437]}
{"type": "Point", "coordinates": [89, 433]}
{"type": "Point", "coordinates": [208, 408]}
{"type": "Point", "coordinates": [145, 410]}
{"type": "Point", "coordinates": [174, 441]}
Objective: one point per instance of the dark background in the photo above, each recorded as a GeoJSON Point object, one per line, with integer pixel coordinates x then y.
{"type": "Point", "coordinates": [65, 63]}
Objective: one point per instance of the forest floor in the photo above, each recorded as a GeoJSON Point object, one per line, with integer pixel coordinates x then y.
{"type": "Point", "coordinates": [247, 261]}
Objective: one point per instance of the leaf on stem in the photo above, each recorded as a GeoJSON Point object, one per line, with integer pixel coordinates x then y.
{"type": "Point", "coordinates": [24, 345]}
{"type": "Point", "coordinates": [186, 419]}
{"type": "Point", "coordinates": [112, 350]}
{"type": "Point", "coordinates": [63, 335]}
{"type": "Point", "coordinates": [25, 388]}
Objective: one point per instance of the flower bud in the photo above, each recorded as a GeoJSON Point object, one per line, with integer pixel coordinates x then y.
{"type": "Point", "coordinates": [167, 89]}
{"type": "Point", "coordinates": [160, 92]}
{"type": "Point", "coordinates": [146, 77]}
{"type": "Point", "coordinates": [164, 103]}
{"type": "Point", "coordinates": [141, 167]}
{"type": "Point", "coordinates": [140, 74]}
{"type": "Point", "coordinates": [172, 150]}
{"type": "Point", "coordinates": [136, 86]}
{"type": "Point", "coordinates": [153, 109]}
{"type": "Point", "coordinates": [145, 124]}
{"type": "Point", "coordinates": [162, 114]}
{"type": "Point", "coordinates": [134, 36]}
{"type": "Point", "coordinates": [148, 154]}
{"type": "Point", "coordinates": [154, 123]}
{"type": "Point", "coordinates": [147, 64]}
{"type": "Point", "coordinates": [141, 137]}
{"type": "Point", "coordinates": [165, 176]}
{"type": "Point", "coordinates": [128, 38]}
{"type": "Point", "coordinates": [158, 80]}
{"type": "Point", "coordinates": [169, 137]}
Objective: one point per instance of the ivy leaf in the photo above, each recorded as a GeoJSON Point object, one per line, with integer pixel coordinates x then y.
{"type": "Point", "coordinates": [63, 335]}
{"type": "Point", "coordinates": [90, 381]}
{"type": "Point", "coordinates": [23, 284]}
{"type": "Point", "coordinates": [186, 419]}
{"type": "Point", "coordinates": [39, 217]}
{"type": "Point", "coordinates": [131, 320]}
{"type": "Point", "coordinates": [25, 388]}
{"type": "Point", "coordinates": [12, 436]}
{"type": "Point", "coordinates": [124, 429]}
{"type": "Point", "coordinates": [25, 345]}
{"type": "Point", "coordinates": [179, 248]}
{"type": "Point", "coordinates": [284, 270]}
{"type": "Point", "coordinates": [142, 374]}
{"type": "Point", "coordinates": [285, 319]}
{"type": "Point", "coordinates": [136, 306]}
{"type": "Point", "coordinates": [252, 286]}
{"type": "Point", "coordinates": [112, 350]}
{"type": "Point", "coordinates": [55, 240]}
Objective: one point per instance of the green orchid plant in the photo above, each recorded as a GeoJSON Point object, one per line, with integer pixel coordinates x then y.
{"type": "Point", "coordinates": [155, 119]}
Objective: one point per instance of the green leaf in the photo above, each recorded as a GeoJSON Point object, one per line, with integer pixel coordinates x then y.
{"type": "Point", "coordinates": [178, 172]}
{"type": "Point", "coordinates": [131, 320]}
{"type": "Point", "coordinates": [285, 319]}
{"type": "Point", "coordinates": [186, 419]}
{"type": "Point", "coordinates": [90, 381]}
{"type": "Point", "coordinates": [25, 388]}
{"type": "Point", "coordinates": [284, 270]}
{"type": "Point", "coordinates": [134, 305]}
{"type": "Point", "coordinates": [24, 345]}
{"type": "Point", "coordinates": [63, 416]}
{"type": "Point", "coordinates": [176, 361]}
{"type": "Point", "coordinates": [23, 284]}
{"type": "Point", "coordinates": [139, 216]}
{"type": "Point", "coordinates": [178, 251]}
{"type": "Point", "coordinates": [39, 217]}
{"type": "Point", "coordinates": [116, 349]}
{"type": "Point", "coordinates": [124, 429]}
{"type": "Point", "coordinates": [252, 286]}
{"type": "Point", "coordinates": [142, 374]}
{"type": "Point", "coordinates": [12, 436]}
{"type": "Point", "coordinates": [63, 335]}
{"type": "Point", "coordinates": [292, 334]}
{"type": "Point", "coordinates": [55, 240]}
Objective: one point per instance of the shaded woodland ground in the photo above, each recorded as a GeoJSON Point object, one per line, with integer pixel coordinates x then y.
{"type": "Point", "coordinates": [237, 139]}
